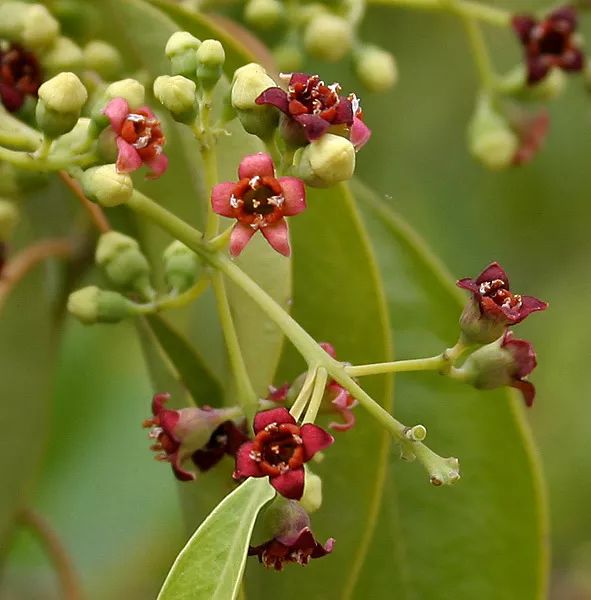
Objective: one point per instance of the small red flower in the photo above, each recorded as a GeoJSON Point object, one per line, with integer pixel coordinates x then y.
{"type": "Point", "coordinates": [549, 43]}
{"type": "Point", "coordinates": [524, 357]}
{"type": "Point", "coordinates": [139, 138]}
{"type": "Point", "coordinates": [279, 450]}
{"type": "Point", "coordinates": [201, 434]}
{"type": "Point", "coordinates": [20, 76]}
{"type": "Point", "coordinates": [312, 108]}
{"type": "Point", "coordinates": [491, 290]}
{"type": "Point", "coordinates": [259, 201]}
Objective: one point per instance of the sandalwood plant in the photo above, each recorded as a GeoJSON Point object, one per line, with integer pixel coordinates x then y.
{"type": "Point", "coordinates": [188, 171]}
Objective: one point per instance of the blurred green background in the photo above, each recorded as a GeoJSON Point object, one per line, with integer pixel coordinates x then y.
{"type": "Point", "coordinates": [534, 220]}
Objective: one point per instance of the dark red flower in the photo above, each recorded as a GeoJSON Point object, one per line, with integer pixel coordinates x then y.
{"type": "Point", "coordinates": [139, 138]}
{"type": "Point", "coordinates": [524, 362]}
{"type": "Point", "coordinates": [20, 76]}
{"type": "Point", "coordinates": [279, 450]}
{"type": "Point", "coordinates": [181, 434]}
{"type": "Point", "coordinates": [549, 43]}
{"type": "Point", "coordinates": [312, 108]}
{"type": "Point", "coordinates": [278, 394]}
{"type": "Point", "coordinates": [259, 201]}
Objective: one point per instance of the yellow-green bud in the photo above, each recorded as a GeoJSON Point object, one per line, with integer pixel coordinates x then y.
{"type": "Point", "coordinates": [181, 50]}
{"type": "Point", "coordinates": [326, 161]}
{"type": "Point", "coordinates": [210, 61]}
{"type": "Point", "coordinates": [12, 19]}
{"type": "Point", "coordinates": [248, 84]}
{"type": "Point", "coordinates": [92, 305]}
{"type": "Point", "coordinates": [312, 499]}
{"type": "Point", "coordinates": [60, 101]}
{"type": "Point", "coordinates": [9, 217]}
{"type": "Point", "coordinates": [103, 58]}
{"type": "Point", "coordinates": [177, 94]}
{"type": "Point", "coordinates": [63, 55]}
{"type": "Point", "coordinates": [263, 14]}
{"type": "Point", "coordinates": [106, 186]}
{"type": "Point", "coordinates": [376, 68]}
{"type": "Point", "coordinates": [40, 28]}
{"type": "Point", "coordinates": [123, 262]}
{"type": "Point", "coordinates": [181, 266]}
{"type": "Point", "coordinates": [309, 12]}
{"type": "Point", "coordinates": [129, 89]}
{"type": "Point", "coordinates": [289, 58]}
{"type": "Point", "coordinates": [328, 37]}
{"type": "Point", "coordinates": [490, 138]}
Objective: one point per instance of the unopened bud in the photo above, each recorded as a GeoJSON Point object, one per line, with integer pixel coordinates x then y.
{"type": "Point", "coordinates": [63, 55]}
{"type": "Point", "coordinates": [123, 262]}
{"type": "Point", "coordinates": [181, 50]}
{"type": "Point", "coordinates": [103, 58]}
{"type": "Point", "coordinates": [76, 140]}
{"type": "Point", "coordinates": [263, 14]}
{"type": "Point", "coordinates": [128, 89]}
{"type": "Point", "coordinates": [376, 68]}
{"type": "Point", "coordinates": [248, 84]}
{"type": "Point", "coordinates": [12, 19]}
{"type": "Point", "coordinates": [490, 138]}
{"type": "Point", "coordinates": [177, 94]}
{"type": "Point", "coordinates": [60, 101]}
{"type": "Point", "coordinates": [289, 58]}
{"type": "Point", "coordinates": [106, 186]}
{"type": "Point", "coordinates": [92, 305]}
{"type": "Point", "coordinates": [210, 61]}
{"type": "Point", "coordinates": [326, 161]}
{"type": "Point", "coordinates": [9, 217]}
{"type": "Point", "coordinates": [40, 28]}
{"type": "Point", "coordinates": [181, 266]}
{"type": "Point", "coordinates": [312, 499]}
{"type": "Point", "coordinates": [328, 37]}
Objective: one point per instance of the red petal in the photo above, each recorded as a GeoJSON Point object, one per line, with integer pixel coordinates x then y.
{"type": "Point", "coordinates": [527, 389]}
{"type": "Point", "coordinates": [157, 166]}
{"type": "Point", "coordinates": [360, 133]}
{"type": "Point", "coordinates": [180, 473]}
{"type": "Point", "coordinates": [274, 415]}
{"type": "Point", "coordinates": [315, 439]}
{"type": "Point", "coordinates": [245, 465]}
{"type": "Point", "coordinates": [220, 198]}
{"type": "Point", "coordinates": [239, 237]}
{"type": "Point", "coordinates": [117, 110]}
{"type": "Point", "coordinates": [290, 484]}
{"type": "Point", "coordinates": [276, 97]}
{"type": "Point", "coordinates": [294, 193]}
{"type": "Point", "coordinates": [492, 272]}
{"type": "Point", "coordinates": [277, 235]}
{"type": "Point", "coordinates": [314, 126]}
{"type": "Point", "coordinates": [128, 159]}
{"type": "Point", "coordinates": [260, 164]}
{"type": "Point", "coordinates": [523, 25]}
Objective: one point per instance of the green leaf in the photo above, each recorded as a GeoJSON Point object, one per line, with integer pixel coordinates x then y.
{"type": "Point", "coordinates": [338, 298]}
{"type": "Point", "coordinates": [201, 384]}
{"type": "Point", "coordinates": [483, 538]}
{"type": "Point", "coordinates": [211, 564]}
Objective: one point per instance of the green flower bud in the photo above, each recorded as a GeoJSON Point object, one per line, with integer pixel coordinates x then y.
{"type": "Point", "coordinates": [248, 83]}
{"type": "Point", "coordinates": [40, 28]}
{"type": "Point", "coordinates": [92, 305]}
{"type": "Point", "coordinates": [490, 138]}
{"type": "Point", "coordinates": [123, 262]}
{"type": "Point", "coordinates": [106, 186]}
{"type": "Point", "coordinates": [312, 499]}
{"type": "Point", "coordinates": [12, 19]}
{"type": "Point", "coordinates": [309, 12]}
{"type": "Point", "coordinates": [129, 89]}
{"type": "Point", "coordinates": [181, 266]}
{"type": "Point", "coordinates": [326, 161]}
{"type": "Point", "coordinates": [181, 49]}
{"type": "Point", "coordinates": [488, 367]}
{"type": "Point", "coordinates": [63, 55]}
{"type": "Point", "coordinates": [60, 101]}
{"type": "Point", "coordinates": [177, 94]}
{"type": "Point", "coordinates": [289, 58]}
{"type": "Point", "coordinates": [328, 37]}
{"type": "Point", "coordinates": [103, 58]}
{"type": "Point", "coordinates": [210, 61]}
{"type": "Point", "coordinates": [376, 68]}
{"type": "Point", "coordinates": [263, 14]}
{"type": "Point", "coordinates": [9, 217]}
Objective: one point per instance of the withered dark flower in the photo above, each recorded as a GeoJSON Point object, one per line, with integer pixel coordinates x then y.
{"type": "Point", "coordinates": [20, 76]}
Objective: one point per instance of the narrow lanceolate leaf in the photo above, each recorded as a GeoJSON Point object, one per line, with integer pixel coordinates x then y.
{"type": "Point", "coordinates": [211, 564]}
{"type": "Point", "coordinates": [483, 538]}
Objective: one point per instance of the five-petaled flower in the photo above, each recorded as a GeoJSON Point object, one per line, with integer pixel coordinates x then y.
{"type": "Point", "coordinates": [312, 108]}
{"type": "Point", "coordinates": [139, 138]}
{"type": "Point", "coordinates": [279, 450]}
{"type": "Point", "coordinates": [549, 43]}
{"type": "Point", "coordinates": [293, 540]}
{"type": "Point", "coordinates": [259, 201]}
{"type": "Point", "coordinates": [201, 434]}
{"type": "Point", "coordinates": [20, 76]}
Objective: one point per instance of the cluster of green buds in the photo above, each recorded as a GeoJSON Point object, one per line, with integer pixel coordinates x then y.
{"type": "Point", "coordinates": [129, 273]}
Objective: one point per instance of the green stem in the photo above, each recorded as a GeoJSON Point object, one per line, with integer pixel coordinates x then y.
{"type": "Point", "coordinates": [178, 301]}
{"type": "Point", "coordinates": [317, 395]}
{"type": "Point", "coordinates": [29, 162]}
{"type": "Point", "coordinates": [297, 408]}
{"type": "Point", "coordinates": [432, 363]}
{"type": "Point", "coordinates": [480, 52]}
{"type": "Point", "coordinates": [246, 394]}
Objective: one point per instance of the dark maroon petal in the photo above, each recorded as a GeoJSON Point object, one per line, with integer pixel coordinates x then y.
{"type": "Point", "coordinates": [492, 272]}
{"type": "Point", "coordinates": [467, 284]}
{"type": "Point", "coordinates": [315, 439]}
{"type": "Point", "coordinates": [329, 349]}
{"type": "Point", "coordinates": [274, 415]}
{"type": "Point", "coordinates": [314, 126]}
{"type": "Point", "coordinates": [527, 389]}
{"type": "Point", "coordinates": [290, 484]}
{"type": "Point", "coordinates": [320, 550]}
{"type": "Point", "coordinates": [529, 304]}
{"type": "Point", "coordinates": [523, 25]}
{"type": "Point", "coordinates": [523, 354]}
{"type": "Point", "coordinates": [235, 437]}
{"type": "Point", "coordinates": [572, 60]}
{"type": "Point", "coordinates": [276, 97]}
{"type": "Point", "coordinates": [11, 98]}
{"type": "Point", "coordinates": [344, 112]}
{"type": "Point", "coordinates": [301, 78]}
{"type": "Point", "coordinates": [566, 16]}
{"type": "Point", "coordinates": [205, 459]}
{"type": "Point", "coordinates": [158, 402]}
{"type": "Point", "coordinates": [245, 465]}
{"type": "Point", "coordinates": [168, 421]}
{"type": "Point", "coordinates": [537, 69]}
{"type": "Point", "coordinates": [180, 473]}
{"type": "Point", "coordinates": [492, 310]}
